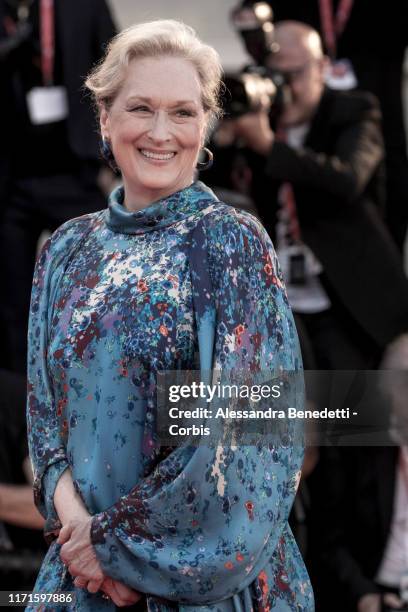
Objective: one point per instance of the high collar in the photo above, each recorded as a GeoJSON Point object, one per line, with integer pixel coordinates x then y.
{"type": "Point", "coordinates": [160, 214]}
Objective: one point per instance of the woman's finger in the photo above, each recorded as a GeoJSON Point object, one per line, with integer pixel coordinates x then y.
{"type": "Point", "coordinates": [80, 582]}
{"type": "Point", "coordinates": [84, 564]}
{"type": "Point", "coordinates": [92, 570]}
{"type": "Point", "coordinates": [126, 592]}
{"type": "Point", "coordinates": [74, 571]}
{"type": "Point", "coordinates": [95, 585]}
{"type": "Point", "coordinates": [109, 589]}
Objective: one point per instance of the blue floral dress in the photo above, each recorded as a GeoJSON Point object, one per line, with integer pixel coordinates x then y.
{"type": "Point", "coordinates": [117, 297]}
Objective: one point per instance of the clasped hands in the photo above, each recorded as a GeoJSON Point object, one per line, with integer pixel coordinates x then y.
{"type": "Point", "coordinates": [78, 554]}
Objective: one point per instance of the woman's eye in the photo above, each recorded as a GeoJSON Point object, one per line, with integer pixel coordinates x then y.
{"type": "Point", "coordinates": [140, 109]}
{"type": "Point", "coordinates": [183, 112]}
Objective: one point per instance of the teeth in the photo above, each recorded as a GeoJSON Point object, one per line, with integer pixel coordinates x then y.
{"type": "Point", "coordinates": [157, 155]}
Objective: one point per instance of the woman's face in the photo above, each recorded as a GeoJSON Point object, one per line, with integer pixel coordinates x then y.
{"type": "Point", "coordinates": [156, 127]}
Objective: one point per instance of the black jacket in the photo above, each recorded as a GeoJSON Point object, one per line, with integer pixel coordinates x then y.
{"type": "Point", "coordinates": [336, 183]}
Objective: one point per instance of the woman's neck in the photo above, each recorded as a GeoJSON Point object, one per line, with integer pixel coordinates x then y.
{"type": "Point", "coordinates": [135, 199]}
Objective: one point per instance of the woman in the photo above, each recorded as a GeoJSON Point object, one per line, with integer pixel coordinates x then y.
{"type": "Point", "coordinates": [167, 272]}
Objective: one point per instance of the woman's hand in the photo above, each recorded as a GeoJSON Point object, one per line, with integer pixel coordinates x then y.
{"type": "Point", "coordinates": [78, 554]}
{"type": "Point", "coordinates": [119, 593]}
{"type": "Point", "coordinates": [77, 551]}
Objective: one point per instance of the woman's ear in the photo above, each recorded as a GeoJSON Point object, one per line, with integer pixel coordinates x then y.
{"type": "Point", "coordinates": [104, 122]}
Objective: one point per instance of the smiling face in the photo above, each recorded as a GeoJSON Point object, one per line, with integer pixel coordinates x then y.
{"type": "Point", "coordinates": [156, 127]}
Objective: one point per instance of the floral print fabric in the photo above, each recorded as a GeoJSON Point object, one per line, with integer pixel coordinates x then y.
{"type": "Point", "coordinates": [186, 283]}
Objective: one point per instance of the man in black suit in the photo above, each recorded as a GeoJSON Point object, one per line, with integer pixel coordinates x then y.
{"type": "Point", "coordinates": [50, 158]}
{"type": "Point", "coordinates": [373, 37]}
{"type": "Point", "coordinates": [318, 193]}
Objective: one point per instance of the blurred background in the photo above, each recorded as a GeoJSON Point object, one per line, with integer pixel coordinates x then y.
{"type": "Point", "coordinates": [210, 19]}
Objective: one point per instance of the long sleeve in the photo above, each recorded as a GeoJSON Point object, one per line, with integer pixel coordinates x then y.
{"type": "Point", "coordinates": [47, 450]}
{"type": "Point", "coordinates": [205, 523]}
{"type": "Point", "coordinates": [344, 172]}
{"type": "Point", "coordinates": [45, 420]}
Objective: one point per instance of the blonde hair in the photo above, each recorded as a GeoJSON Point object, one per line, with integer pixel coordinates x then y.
{"type": "Point", "coordinates": [154, 39]}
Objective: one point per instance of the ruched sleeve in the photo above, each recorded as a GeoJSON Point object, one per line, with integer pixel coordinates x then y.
{"type": "Point", "coordinates": [205, 523]}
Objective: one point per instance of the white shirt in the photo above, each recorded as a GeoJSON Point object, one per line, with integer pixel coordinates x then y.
{"type": "Point", "coordinates": [309, 297]}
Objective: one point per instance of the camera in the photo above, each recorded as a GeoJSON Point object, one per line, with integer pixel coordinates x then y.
{"type": "Point", "coordinates": [256, 86]}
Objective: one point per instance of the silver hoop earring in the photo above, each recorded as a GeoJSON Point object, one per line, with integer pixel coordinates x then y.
{"type": "Point", "coordinates": [205, 165]}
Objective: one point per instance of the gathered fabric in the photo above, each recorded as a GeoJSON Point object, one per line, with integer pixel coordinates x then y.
{"type": "Point", "coordinates": [118, 297]}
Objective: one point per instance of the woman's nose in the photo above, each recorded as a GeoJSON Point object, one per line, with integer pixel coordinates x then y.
{"type": "Point", "coordinates": [159, 128]}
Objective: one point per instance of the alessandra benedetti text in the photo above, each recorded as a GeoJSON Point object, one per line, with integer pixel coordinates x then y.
{"type": "Point", "coordinates": [268, 413]}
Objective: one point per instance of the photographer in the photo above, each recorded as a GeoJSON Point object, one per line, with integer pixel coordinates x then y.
{"type": "Point", "coordinates": [366, 41]}
{"type": "Point", "coordinates": [317, 188]}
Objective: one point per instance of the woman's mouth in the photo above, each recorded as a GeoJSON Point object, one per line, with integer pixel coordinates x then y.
{"type": "Point", "coordinates": [164, 156]}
